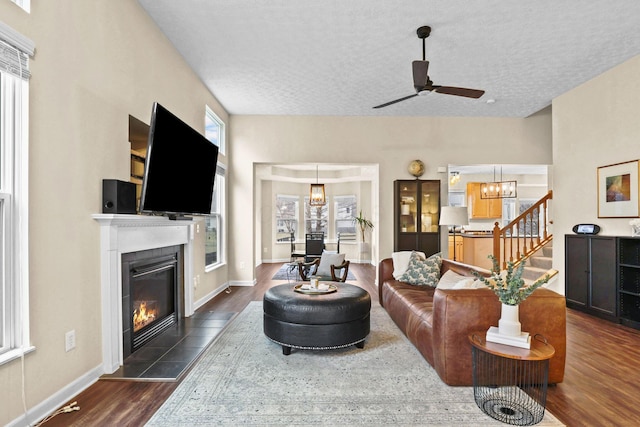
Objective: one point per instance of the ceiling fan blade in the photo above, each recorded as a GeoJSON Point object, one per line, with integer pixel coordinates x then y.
{"type": "Point", "coordinates": [393, 102]}
{"type": "Point", "coordinates": [420, 77]}
{"type": "Point", "coordinates": [459, 91]}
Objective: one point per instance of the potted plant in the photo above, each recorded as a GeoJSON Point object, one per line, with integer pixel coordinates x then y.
{"type": "Point", "coordinates": [363, 223]}
{"type": "Point", "coordinates": [511, 290]}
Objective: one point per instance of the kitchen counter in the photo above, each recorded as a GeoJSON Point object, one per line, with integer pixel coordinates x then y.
{"type": "Point", "coordinates": [474, 235]}
{"type": "Point", "coordinates": [477, 248]}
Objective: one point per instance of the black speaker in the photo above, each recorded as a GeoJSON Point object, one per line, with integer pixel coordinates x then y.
{"type": "Point", "coordinates": [118, 197]}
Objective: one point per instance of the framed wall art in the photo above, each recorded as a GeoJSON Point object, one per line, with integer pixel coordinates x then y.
{"type": "Point", "coordinates": [618, 190]}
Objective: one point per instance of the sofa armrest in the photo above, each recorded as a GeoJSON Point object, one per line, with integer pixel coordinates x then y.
{"type": "Point", "coordinates": [458, 313]}
{"type": "Point", "coordinates": [385, 272]}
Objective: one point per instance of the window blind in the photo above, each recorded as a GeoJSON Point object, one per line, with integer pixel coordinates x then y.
{"type": "Point", "coordinates": [15, 50]}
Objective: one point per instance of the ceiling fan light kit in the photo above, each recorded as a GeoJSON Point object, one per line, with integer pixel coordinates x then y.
{"type": "Point", "coordinates": [423, 84]}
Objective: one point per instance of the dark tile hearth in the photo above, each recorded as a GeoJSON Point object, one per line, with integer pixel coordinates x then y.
{"type": "Point", "coordinates": [171, 353]}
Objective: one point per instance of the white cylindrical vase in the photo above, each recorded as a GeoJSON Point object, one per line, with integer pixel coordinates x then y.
{"type": "Point", "coordinates": [509, 323]}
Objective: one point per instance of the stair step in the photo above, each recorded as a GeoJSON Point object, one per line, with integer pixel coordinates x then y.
{"type": "Point", "coordinates": [541, 262]}
{"type": "Point", "coordinates": [547, 250]}
{"type": "Point", "coordinates": [533, 273]}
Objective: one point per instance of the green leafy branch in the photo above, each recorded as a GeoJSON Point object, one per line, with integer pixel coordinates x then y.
{"type": "Point", "coordinates": [511, 289]}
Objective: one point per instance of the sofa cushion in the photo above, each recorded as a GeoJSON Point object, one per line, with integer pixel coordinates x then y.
{"type": "Point", "coordinates": [421, 271]}
{"type": "Point", "coordinates": [401, 262]}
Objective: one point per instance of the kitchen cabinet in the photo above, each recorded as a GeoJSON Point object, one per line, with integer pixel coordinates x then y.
{"type": "Point", "coordinates": [482, 208]}
{"type": "Point", "coordinates": [416, 216]}
{"type": "Point", "coordinates": [590, 277]}
{"type": "Point", "coordinates": [458, 250]}
{"type": "Point", "coordinates": [477, 249]}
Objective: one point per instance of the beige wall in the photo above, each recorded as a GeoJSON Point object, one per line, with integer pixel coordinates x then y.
{"type": "Point", "coordinates": [594, 125]}
{"type": "Point", "coordinates": [389, 142]}
{"type": "Point", "coordinates": [96, 63]}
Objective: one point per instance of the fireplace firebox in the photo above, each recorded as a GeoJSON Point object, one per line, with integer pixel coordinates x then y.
{"type": "Point", "coordinates": [150, 295]}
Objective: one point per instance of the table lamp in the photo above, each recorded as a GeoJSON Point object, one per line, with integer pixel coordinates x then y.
{"type": "Point", "coordinates": [454, 215]}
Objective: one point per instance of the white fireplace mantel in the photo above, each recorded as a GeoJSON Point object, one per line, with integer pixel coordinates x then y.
{"type": "Point", "coordinates": [120, 234]}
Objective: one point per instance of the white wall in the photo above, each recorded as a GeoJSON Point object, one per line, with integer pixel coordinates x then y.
{"type": "Point", "coordinates": [594, 125]}
{"type": "Point", "coordinates": [96, 63]}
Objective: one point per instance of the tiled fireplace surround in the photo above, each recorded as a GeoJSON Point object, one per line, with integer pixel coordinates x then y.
{"type": "Point", "coordinates": [120, 234]}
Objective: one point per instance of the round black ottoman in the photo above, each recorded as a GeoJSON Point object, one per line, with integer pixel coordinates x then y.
{"type": "Point", "coordinates": [316, 322]}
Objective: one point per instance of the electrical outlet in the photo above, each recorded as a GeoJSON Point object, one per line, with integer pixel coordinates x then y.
{"type": "Point", "coordinates": [242, 265]}
{"type": "Point", "coordinates": [70, 340]}
{"type": "Point", "coordinates": [195, 283]}
{"type": "Point", "coordinates": [198, 228]}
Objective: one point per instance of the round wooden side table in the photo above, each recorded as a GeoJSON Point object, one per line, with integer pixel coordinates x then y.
{"type": "Point", "coordinates": [510, 383]}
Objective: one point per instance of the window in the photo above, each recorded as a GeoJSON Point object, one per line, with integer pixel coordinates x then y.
{"type": "Point", "coordinates": [316, 218]}
{"type": "Point", "coordinates": [528, 226]}
{"type": "Point", "coordinates": [14, 251]}
{"type": "Point", "coordinates": [286, 217]}
{"type": "Point", "coordinates": [214, 129]}
{"type": "Point", "coordinates": [214, 238]}
{"type": "Point", "coordinates": [345, 211]}
{"type": "Point", "coordinates": [24, 4]}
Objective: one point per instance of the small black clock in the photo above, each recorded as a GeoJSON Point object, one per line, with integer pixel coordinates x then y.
{"type": "Point", "coordinates": [586, 229]}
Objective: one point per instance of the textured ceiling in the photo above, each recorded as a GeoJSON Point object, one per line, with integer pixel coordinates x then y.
{"type": "Point", "coordinates": [341, 58]}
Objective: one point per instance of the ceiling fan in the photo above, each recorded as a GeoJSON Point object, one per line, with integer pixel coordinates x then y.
{"type": "Point", "coordinates": [422, 82]}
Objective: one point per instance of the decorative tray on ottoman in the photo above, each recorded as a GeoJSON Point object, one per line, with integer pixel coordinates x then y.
{"type": "Point", "coordinates": [323, 288]}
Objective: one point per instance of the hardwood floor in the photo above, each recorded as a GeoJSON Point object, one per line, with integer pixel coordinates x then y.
{"type": "Point", "coordinates": [601, 385]}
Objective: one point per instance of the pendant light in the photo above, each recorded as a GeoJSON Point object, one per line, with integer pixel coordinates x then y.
{"type": "Point", "coordinates": [316, 196]}
{"type": "Point", "coordinates": [498, 189]}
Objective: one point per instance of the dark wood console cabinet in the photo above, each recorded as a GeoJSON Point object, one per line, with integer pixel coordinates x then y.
{"type": "Point", "coordinates": [416, 216]}
{"type": "Point", "coordinates": [590, 280]}
{"type": "Point", "coordinates": [629, 281]}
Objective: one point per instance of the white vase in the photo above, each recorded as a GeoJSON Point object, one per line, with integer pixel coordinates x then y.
{"type": "Point", "coordinates": [509, 323]}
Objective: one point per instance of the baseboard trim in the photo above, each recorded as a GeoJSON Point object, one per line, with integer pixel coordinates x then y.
{"type": "Point", "coordinates": [58, 399]}
{"type": "Point", "coordinates": [211, 295]}
{"type": "Point", "coordinates": [243, 282]}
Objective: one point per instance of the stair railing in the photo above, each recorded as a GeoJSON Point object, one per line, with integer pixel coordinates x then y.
{"type": "Point", "coordinates": [523, 236]}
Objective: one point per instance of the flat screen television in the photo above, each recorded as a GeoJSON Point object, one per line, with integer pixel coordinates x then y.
{"type": "Point", "coordinates": [180, 168]}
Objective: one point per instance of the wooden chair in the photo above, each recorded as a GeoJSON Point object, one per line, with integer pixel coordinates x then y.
{"type": "Point", "coordinates": [338, 272]}
{"type": "Point", "coordinates": [295, 254]}
{"type": "Point", "coordinates": [314, 245]}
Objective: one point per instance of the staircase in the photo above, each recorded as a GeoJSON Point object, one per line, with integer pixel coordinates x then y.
{"type": "Point", "coordinates": [539, 263]}
{"type": "Point", "coordinates": [511, 244]}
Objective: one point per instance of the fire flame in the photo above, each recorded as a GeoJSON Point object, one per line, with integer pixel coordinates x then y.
{"type": "Point", "coordinates": [143, 316]}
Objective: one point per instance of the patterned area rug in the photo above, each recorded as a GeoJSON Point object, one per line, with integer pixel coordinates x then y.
{"type": "Point", "coordinates": [287, 273]}
{"type": "Point", "coordinates": [244, 379]}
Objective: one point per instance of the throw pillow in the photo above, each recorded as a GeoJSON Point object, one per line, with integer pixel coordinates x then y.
{"type": "Point", "coordinates": [423, 272]}
{"type": "Point", "coordinates": [449, 279]}
{"type": "Point", "coordinates": [470, 283]}
{"type": "Point", "coordinates": [326, 261]}
{"type": "Point", "coordinates": [401, 262]}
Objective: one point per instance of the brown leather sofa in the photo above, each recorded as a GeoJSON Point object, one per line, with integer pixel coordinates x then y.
{"type": "Point", "coordinates": [438, 321]}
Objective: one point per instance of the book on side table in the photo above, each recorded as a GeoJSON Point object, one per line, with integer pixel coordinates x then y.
{"type": "Point", "coordinates": [522, 341]}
